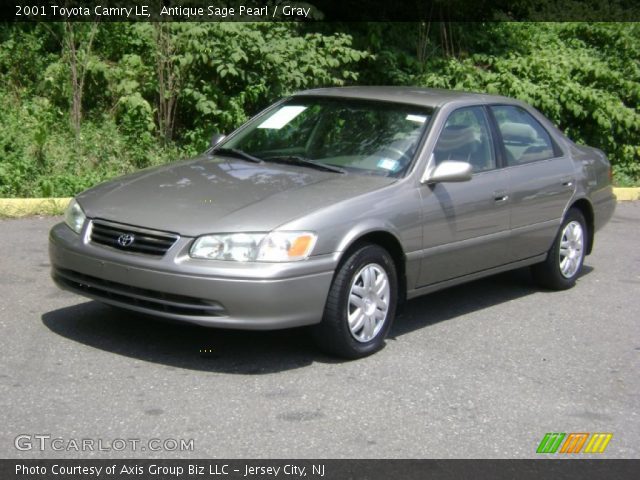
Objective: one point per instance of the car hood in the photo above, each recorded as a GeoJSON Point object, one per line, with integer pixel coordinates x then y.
{"type": "Point", "coordinates": [220, 194]}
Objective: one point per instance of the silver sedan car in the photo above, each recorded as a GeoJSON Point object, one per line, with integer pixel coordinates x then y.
{"type": "Point", "coordinates": [332, 207]}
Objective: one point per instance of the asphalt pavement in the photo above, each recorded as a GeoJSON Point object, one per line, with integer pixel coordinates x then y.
{"type": "Point", "coordinates": [483, 370]}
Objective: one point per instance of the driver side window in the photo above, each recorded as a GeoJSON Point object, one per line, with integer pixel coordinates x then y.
{"type": "Point", "coordinates": [466, 138]}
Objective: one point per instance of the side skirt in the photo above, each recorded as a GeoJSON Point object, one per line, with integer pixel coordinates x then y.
{"type": "Point", "coordinates": [417, 292]}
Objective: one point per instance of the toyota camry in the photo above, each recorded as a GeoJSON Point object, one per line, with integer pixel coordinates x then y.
{"type": "Point", "coordinates": [332, 207]}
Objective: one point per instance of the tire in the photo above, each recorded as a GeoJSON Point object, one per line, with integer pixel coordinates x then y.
{"type": "Point", "coordinates": [566, 257]}
{"type": "Point", "coordinates": [353, 285]}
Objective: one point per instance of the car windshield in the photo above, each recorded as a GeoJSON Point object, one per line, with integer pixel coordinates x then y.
{"type": "Point", "coordinates": [364, 137]}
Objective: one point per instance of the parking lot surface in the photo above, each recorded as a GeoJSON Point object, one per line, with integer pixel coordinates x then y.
{"type": "Point", "coordinates": [480, 370]}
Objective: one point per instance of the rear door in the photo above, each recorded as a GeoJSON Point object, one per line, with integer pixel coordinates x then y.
{"type": "Point", "coordinates": [542, 180]}
{"type": "Point", "coordinates": [466, 225]}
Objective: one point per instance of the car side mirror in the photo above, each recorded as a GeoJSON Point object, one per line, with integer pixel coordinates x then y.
{"type": "Point", "coordinates": [449, 171]}
{"type": "Point", "coordinates": [216, 138]}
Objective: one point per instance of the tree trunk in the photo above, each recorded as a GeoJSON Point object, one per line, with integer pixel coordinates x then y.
{"type": "Point", "coordinates": [78, 69]}
{"type": "Point", "coordinates": [168, 81]}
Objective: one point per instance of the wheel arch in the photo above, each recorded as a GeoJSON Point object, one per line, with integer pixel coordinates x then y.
{"type": "Point", "coordinates": [391, 244]}
{"type": "Point", "coordinates": [584, 206]}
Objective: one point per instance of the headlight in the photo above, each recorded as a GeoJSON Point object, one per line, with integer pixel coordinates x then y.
{"type": "Point", "coordinates": [286, 246]}
{"type": "Point", "coordinates": [255, 247]}
{"type": "Point", "coordinates": [241, 247]}
{"type": "Point", "coordinates": [74, 217]}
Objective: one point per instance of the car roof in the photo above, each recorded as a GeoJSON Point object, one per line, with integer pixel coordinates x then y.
{"type": "Point", "coordinates": [427, 97]}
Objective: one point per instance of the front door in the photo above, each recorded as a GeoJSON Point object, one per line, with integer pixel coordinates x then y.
{"type": "Point", "coordinates": [466, 224]}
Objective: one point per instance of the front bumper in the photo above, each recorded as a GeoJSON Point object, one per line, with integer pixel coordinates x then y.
{"type": "Point", "coordinates": [256, 296]}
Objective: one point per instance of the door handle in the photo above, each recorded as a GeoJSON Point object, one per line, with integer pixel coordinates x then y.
{"type": "Point", "coordinates": [500, 196]}
{"type": "Point", "coordinates": [567, 182]}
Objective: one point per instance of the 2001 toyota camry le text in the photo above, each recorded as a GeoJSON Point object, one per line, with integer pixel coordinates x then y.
{"type": "Point", "coordinates": [333, 206]}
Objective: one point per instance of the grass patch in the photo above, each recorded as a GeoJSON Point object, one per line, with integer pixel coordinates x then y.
{"type": "Point", "coordinates": [25, 207]}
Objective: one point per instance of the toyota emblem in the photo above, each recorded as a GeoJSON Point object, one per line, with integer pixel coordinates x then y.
{"type": "Point", "coordinates": [126, 239]}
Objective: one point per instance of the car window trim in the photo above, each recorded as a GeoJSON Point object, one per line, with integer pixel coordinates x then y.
{"type": "Point", "coordinates": [420, 146]}
{"type": "Point", "coordinates": [498, 143]}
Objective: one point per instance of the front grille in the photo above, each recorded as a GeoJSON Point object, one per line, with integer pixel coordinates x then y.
{"type": "Point", "coordinates": [131, 239]}
{"type": "Point", "coordinates": [142, 298]}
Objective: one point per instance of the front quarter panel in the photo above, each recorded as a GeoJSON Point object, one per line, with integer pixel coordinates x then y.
{"type": "Point", "coordinates": [394, 209]}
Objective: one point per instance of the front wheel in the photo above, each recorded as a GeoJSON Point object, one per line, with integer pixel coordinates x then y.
{"type": "Point", "coordinates": [361, 304]}
{"type": "Point", "coordinates": [566, 256]}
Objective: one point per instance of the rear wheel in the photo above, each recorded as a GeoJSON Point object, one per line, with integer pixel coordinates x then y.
{"type": "Point", "coordinates": [565, 259]}
{"type": "Point", "coordinates": [361, 304]}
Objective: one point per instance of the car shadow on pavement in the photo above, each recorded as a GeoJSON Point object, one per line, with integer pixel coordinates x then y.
{"type": "Point", "coordinates": [466, 298]}
{"type": "Point", "coordinates": [252, 352]}
{"type": "Point", "coordinates": [183, 345]}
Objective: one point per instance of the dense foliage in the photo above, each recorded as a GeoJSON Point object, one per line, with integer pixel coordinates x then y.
{"type": "Point", "coordinates": [83, 102]}
{"type": "Point", "coordinates": [585, 78]}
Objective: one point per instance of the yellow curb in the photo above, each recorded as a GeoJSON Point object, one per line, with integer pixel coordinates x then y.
{"type": "Point", "coordinates": [23, 207]}
{"type": "Point", "coordinates": [627, 194]}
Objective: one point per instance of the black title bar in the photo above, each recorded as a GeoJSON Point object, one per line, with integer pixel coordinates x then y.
{"type": "Point", "coordinates": [320, 10]}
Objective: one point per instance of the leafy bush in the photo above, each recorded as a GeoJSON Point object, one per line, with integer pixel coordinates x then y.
{"type": "Point", "coordinates": [153, 93]}
{"type": "Point", "coordinates": [215, 75]}
{"type": "Point", "coordinates": [39, 159]}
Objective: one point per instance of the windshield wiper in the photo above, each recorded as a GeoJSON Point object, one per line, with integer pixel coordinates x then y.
{"type": "Point", "coordinates": [235, 152]}
{"type": "Point", "coordinates": [305, 162]}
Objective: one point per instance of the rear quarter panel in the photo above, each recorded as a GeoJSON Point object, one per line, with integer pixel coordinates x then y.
{"type": "Point", "coordinates": [593, 168]}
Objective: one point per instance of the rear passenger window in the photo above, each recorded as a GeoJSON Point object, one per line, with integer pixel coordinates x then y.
{"type": "Point", "coordinates": [525, 140]}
